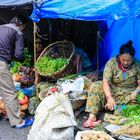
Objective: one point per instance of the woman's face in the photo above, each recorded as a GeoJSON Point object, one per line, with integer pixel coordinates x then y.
{"type": "Point", "coordinates": [126, 60]}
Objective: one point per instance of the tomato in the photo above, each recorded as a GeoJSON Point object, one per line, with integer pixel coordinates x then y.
{"type": "Point", "coordinates": [24, 101]}
{"type": "Point", "coordinates": [54, 89]}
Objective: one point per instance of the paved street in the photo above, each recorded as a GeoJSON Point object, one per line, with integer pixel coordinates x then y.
{"type": "Point", "coordinates": [8, 133]}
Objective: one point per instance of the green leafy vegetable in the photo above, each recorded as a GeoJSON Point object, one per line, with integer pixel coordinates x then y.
{"type": "Point", "coordinates": [138, 98]}
{"type": "Point", "coordinates": [14, 65]}
{"type": "Point", "coordinates": [48, 65]}
{"type": "Point", "coordinates": [130, 111]}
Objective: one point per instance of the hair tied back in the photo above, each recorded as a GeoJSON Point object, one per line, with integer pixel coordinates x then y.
{"type": "Point", "coordinates": [129, 43]}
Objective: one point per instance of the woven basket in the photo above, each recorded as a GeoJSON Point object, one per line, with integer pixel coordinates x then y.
{"type": "Point", "coordinates": [57, 50]}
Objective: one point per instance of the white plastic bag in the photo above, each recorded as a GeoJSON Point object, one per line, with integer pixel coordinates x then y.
{"type": "Point", "coordinates": [54, 119]}
{"type": "Point", "coordinates": [72, 85]}
{"type": "Point", "coordinates": [74, 88]}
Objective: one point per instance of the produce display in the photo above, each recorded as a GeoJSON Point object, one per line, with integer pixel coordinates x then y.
{"type": "Point", "coordinates": [27, 57]}
{"type": "Point", "coordinates": [23, 101]}
{"type": "Point", "coordinates": [138, 98]}
{"type": "Point", "coordinates": [48, 65]}
{"type": "Point", "coordinates": [132, 112]}
{"type": "Point", "coordinates": [132, 130]}
{"type": "Point", "coordinates": [33, 104]}
{"type": "Point", "coordinates": [15, 65]}
{"type": "Point", "coordinates": [20, 95]}
{"type": "Point", "coordinates": [93, 135]}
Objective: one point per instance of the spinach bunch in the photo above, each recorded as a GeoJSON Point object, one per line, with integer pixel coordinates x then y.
{"type": "Point", "coordinates": [138, 98]}
{"type": "Point", "coordinates": [48, 65]}
{"type": "Point", "coordinates": [130, 111]}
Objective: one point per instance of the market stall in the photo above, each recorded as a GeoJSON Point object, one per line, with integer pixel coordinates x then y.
{"type": "Point", "coordinates": [68, 83]}
{"type": "Point", "coordinates": [124, 15]}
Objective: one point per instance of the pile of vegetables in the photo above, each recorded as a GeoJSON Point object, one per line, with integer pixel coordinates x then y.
{"type": "Point", "coordinates": [48, 65]}
{"type": "Point", "coordinates": [94, 135]}
{"type": "Point", "coordinates": [132, 130]}
{"type": "Point", "coordinates": [27, 57]}
{"type": "Point", "coordinates": [132, 127]}
{"type": "Point", "coordinates": [15, 65]}
{"type": "Point", "coordinates": [23, 101]}
{"type": "Point", "coordinates": [132, 112]}
{"type": "Point", "coordinates": [138, 98]}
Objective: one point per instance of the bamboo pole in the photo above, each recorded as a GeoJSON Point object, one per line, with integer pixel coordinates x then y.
{"type": "Point", "coordinates": [36, 75]}
{"type": "Point", "coordinates": [35, 27]}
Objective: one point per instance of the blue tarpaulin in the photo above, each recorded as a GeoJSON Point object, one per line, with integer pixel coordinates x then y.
{"type": "Point", "coordinates": [87, 10]}
{"type": "Point", "coordinates": [122, 14]}
{"type": "Point", "coordinates": [13, 2]}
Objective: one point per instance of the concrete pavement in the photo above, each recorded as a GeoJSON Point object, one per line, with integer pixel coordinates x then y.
{"type": "Point", "coordinates": [8, 133]}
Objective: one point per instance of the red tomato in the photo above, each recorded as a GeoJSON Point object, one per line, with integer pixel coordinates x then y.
{"type": "Point", "coordinates": [54, 89]}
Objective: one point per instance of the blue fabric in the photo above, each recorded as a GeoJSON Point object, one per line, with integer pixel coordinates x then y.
{"type": "Point", "coordinates": [88, 10]}
{"type": "Point", "coordinates": [30, 91]}
{"type": "Point", "coordinates": [122, 17]}
{"type": "Point", "coordinates": [13, 2]}
{"type": "Point", "coordinates": [119, 33]}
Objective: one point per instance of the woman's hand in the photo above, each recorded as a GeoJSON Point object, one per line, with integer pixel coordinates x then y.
{"type": "Point", "coordinates": [111, 104]}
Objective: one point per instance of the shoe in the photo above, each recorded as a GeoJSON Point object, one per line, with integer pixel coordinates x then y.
{"type": "Point", "coordinates": [91, 123]}
{"type": "Point", "coordinates": [26, 123]}
{"type": "Point", "coordinates": [30, 121]}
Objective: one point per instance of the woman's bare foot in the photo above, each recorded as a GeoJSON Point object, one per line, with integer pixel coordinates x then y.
{"type": "Point", "coordinates": [91, 122]}
{"type": "Point", "coordinates": [92, 117]}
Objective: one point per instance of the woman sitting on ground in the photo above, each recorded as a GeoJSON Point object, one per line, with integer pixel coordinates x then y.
{"type": "Point", "coordinates": [120, 85]}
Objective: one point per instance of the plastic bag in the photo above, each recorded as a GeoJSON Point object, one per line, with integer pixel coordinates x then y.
{"type": "Point", "coordinates": [54, 119]}
{"type": "Point", "coordinates": [30, 91]}
{"type": "Point", "coordinates": [74, 87]}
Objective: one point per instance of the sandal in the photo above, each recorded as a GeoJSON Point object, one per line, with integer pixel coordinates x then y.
{"type": "Point", "coordinates": [91, 123]}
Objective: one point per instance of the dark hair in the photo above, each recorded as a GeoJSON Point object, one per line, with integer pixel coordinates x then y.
{"type": "Point", "coordinates": [127, 48]}
{"type": "Point", "coordinates": [19, 20]}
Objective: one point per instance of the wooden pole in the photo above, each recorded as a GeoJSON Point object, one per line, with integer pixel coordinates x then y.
{"type": "Point", "coordinates": [36, 75]}
{"type": "Point", "coordinates": [35, 28]}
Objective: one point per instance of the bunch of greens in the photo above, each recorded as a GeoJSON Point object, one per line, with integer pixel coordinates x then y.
{"type": "Point", "coordinates": [138, 98]}
{"type": "Point", "coordinates": [134, 120]}
{"type": "Point", "coordinates": [48, 65]}
{"type": "Point", "coordinates": [14, 65]}
{"type": "Point", "coordinates": [27, 58]}
{"type": "Point", "coordinates": [130, 111]}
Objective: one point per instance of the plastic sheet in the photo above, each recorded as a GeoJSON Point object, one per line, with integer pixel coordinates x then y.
{"type": "Point", "coordinates": [89, 10]}
{"type": "Point", "coordinates": [13, 2]}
